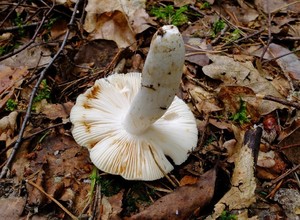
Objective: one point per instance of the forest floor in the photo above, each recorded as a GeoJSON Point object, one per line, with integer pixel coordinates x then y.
{"type": "Point", "coordinates": [241, 81]}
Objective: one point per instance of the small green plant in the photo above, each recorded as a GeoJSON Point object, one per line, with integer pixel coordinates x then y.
{"type": "Point", "coordinates": [11, 105]}
{"type": "Point", "coordinates": [218, 26]}
{"type": "Point", "coordinates": [48, 26]}
{"type": "Point", "coordinates": [18, 21]}
{"type": "Point", "coordinates": [50, 23]}
{"type": "Point", "coordinates": [205, 5]}
{"type": "Point", "coordinates": [44, 92]}
{"type": "Point", "coordinates": [108, 187]}
{"type": "Point", "coordinates": [236, 34]}
{"type": "Point", "coordinates": [227, 216]}
{"type": "Point", "coordinates": [210, 139]}
{"type": "Point", "coordinates": [241, 116]}
{"type": "Point", "coordinates": [170, 15]}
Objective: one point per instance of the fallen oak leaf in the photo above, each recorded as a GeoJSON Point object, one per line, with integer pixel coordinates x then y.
{"type": "Point", "coordinates": [183, 201]}
{"type": "Point", "coordinates": [234, 73]}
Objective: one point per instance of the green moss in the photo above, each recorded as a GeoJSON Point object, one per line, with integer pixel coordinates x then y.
{"type": "Point", "coordinates": [241, 116]}
{"type": "Point", "coordinates": [170, 15]}
{"type": "Point", "coordinates": [227, 216]}
{"type": "Point", "coordinates": [11, 105]}
{"type": "Point", "coordinates": [218, 26]}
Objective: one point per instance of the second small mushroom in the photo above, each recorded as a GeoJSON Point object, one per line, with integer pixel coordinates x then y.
{"type": "Point", "coordinates": [130, 122]}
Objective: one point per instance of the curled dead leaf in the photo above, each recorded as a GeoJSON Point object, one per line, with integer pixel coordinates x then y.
{"type": "Point", "coordinates": [183, 201]}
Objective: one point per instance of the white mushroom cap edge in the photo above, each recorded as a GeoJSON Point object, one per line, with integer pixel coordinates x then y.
{"type": "Point", "coordinates": [129, 123]}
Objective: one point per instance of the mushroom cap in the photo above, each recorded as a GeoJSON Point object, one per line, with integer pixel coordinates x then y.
{"type": "Point", "coordinates": [98, 125]}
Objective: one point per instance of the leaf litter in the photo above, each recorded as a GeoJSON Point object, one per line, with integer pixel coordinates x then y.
{"type": "Point", "coordinates": [238, 78]}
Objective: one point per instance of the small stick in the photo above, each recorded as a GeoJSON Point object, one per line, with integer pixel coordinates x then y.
{"type": "Point", "coordinates": [279, 100]}
{"type": "Point", "coordinates": [270, 38]}
{"type": "Point", "coordinates": [7, 16]}
{"type": "Point", "coordinates": [52, 199]}
{"type": "Point", "coordinates": [28, 112]}
{"type": "Point", "coordinates": [31, 40]}
{"type": "Point", "coordinates": [282, 176]}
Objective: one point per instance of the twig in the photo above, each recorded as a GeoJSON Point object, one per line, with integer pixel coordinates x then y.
{"type": "Point", "coordinates": [282, 176]}
{"type": "Point", "coordinates": [11, 11]}
{"type": "Point", "coordinates": [14, 28]}
{"type": "Point", "coordinates": [28, 112]}
{"type": "Point", "coordinates": [31, 136]}
{"type": "Point", "coordinates": [279, 100]}
{"type": "Point", "coordinates": [243, 38]}
{"type": "Point", "coordinates": [283, 55]}
{"type": "Point", "coordinates": [31, 40]}
{"type": "Point", "coordinates": [269, 35]}
{"type": "Point", "coordinates": [52, 199]}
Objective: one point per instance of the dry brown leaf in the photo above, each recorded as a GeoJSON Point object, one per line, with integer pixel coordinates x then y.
{"type": "Point", "coordinates": [195, 48]}
{"type": "Point", "coordinates": [112, 206]}
{"type": "Point", "coordinates": [183, 201]}
{"type": "Point", "coordinates": [204, 101]}
{"type": "Point", "coordinates": [270, 6]}
{"type": "Point", "coordinates": [290, 144]}
{"type": "Point", "coordinates": [54, 111]}
{"type": "Point", "coordinates": [231, 98]}
{"type": "Point", "coordinates": [289, 64]}
{"type": "Point", "coordinates": [66, 166]}
{"type": "Point", "coordinates": [10, 78]}
{"type": "Point", "coordinates": [58, 29]}
{"type": "Point", "coordinates": [242, 74]}
{"type": "Point", "coordinates": [243, 15]}
{"type": "Point", "coordinates": [188, 180]}
{"type": "Point", "coordinates": [113, 26]}
{"type": "Point", "coordinates": [119, 21]}
{"type": "Point", "coordinates": [35, 196]}
{"type": "Point", "coordinates": [31, 57]}
{"type": "Point", "coordinates": [98, 53]}
{"type": "Point", "coordinates": [12, 208]}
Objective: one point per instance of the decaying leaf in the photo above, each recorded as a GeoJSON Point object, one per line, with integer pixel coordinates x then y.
{"type": "Point", "coordinates": [183, 201]}
{"type": "Point", "coordinates": [65, 166]}
{"type": "Point", "coordinates": [288, 146]}
{"type": "Point", "coordinates": [10, 78]}
{"type": "Point", "coordinates": [242, 193]}
{"type": "Point", "coordinates": [277, 5]}
{"type": "Point", "coordinates": [98, 53]}
{"type": "Point", "coordinates": [236, 73]}
{"type": "Point", "coordinates": [205, 102]}
{"type": "Point", "coordinates": [231, 97]}
{"type": "Point", "coordinates": [195, 50]}
{"type": "Point", "coordinates": [12, 208]}
{"type": "Point", "coordinates": [54, 111]}
{"type": "Point", "coordinates": [244, 15]}
{"type": "Point", "coordinates": [31, 57]}
{"type": "Point", "coordinates": [112, 206]}
{"type": "Point", "coordinates": [119, 21]}
{"type": "Point", "coordinates": [289, 64]}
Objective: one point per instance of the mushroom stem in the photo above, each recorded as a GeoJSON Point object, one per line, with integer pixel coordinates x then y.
{"type": "Point", "coordinates": [160, 80]}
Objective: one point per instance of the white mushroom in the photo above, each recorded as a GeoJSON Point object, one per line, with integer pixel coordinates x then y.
{"type": "Point", "coordinates": [129, 123]}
